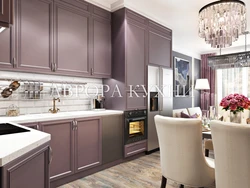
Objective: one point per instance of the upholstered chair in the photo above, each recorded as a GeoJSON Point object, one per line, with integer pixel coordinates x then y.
{"type": "Point", "coordinates": [232, 154]}
{"type": "Point", "coordinates": [182, 159]}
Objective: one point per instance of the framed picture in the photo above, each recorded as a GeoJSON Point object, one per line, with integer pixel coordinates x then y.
{"type": "Point", "coordinates": [182, 77]}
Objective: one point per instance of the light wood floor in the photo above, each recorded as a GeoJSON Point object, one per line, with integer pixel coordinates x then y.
{"type": "Point", "coordinates": [143, 172]}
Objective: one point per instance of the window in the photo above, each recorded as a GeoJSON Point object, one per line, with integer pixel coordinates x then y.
{"type": "Point", "coordinates": [232, 80]}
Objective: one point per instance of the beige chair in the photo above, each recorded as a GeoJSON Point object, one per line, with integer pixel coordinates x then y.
{"type": "Point", "coordinates": [182, 159]}
{"type": "Point", "coordinates": [232, 155]}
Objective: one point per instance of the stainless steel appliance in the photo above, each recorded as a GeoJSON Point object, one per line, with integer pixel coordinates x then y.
{"type": "Point", "coordinates": [160, 81]}
{"type": "Point", "coordinates": [135, 128]}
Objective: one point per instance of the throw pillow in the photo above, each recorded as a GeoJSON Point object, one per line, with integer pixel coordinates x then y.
{"type": "Point", "coordinates": [183, 115]}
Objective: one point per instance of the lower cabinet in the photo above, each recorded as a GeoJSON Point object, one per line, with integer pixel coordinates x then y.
{"type": "Point", "coordinates": [112, 138]}
{"type": "Point", "coordinates": [88, 143]}
{"type": "Point", "coordinates": [62, 144]}
{"type": "Point", "coordinates": [76, 145]}
{"type": "Point", "coordinates": [29, 171]}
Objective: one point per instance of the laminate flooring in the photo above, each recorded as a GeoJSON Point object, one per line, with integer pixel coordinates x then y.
{"type": "Point", "coordinates": [144, 172]}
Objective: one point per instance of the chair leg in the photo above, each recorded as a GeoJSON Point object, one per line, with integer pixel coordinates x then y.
{"type": "Point", "coordinates": [163, 182]}
{"type": "Point", "coordinates": [206, 152]}
{"type": "Point", "coordinates": [181, 186]}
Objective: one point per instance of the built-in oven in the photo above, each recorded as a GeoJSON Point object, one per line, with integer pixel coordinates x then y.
{"type": "Point", "coordinates": [135, 128]}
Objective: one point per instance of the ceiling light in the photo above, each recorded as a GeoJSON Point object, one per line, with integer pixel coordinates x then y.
{"type": "Point", "coordinates": [240, 59]}
{"type": "Point", "coordinates": [221, 22]}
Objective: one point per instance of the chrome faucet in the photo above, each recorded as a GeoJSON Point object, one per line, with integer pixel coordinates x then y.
{"type": "Point", "coordinates": [54, 110]}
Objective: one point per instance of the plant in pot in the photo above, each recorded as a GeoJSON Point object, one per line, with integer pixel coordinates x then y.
{"type": "Point", "coordinates": [236, 103]}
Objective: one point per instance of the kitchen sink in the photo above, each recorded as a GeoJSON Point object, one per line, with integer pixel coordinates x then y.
{"type": "Point", "coordinates": [7, 128]}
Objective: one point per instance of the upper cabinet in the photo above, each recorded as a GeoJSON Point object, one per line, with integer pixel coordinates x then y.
{"type": "Point", "coordinates": [160, 45]}
{"type": "Point", "coordinates": [71, 34]}
{"type": "Point", "coordinates": [6, 60]}
{"type": "Point", "coordinates": [33, 26]}
{"type": "Point", "coordinates": [136, 43]}
{"type": "Point", "coordinates": [58, 37]}
{"type": "Point", "coordinates": [101, 47]}
{"type": "Point", "coordinates": [6, 13]}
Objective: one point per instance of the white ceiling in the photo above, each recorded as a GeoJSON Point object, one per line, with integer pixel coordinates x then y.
{"type": "Point", "coordinates": [182, 17]}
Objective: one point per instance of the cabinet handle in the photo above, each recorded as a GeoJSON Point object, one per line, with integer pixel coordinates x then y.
{"type": "Point", "coordinates": [50, 155]}
{"type": "Point", "coordinates": [92, 70]}
{"type": "Point", "coordinates": [37, 127]}
{"type": "Point", "coordinates": [76, 127]}
{"type": "Point", "coordinates": [52, 65]}
{"type": "Point", "coordinates": [55, 67]}
{"type": "Point", "coordinates": [73, 125]}
{"type": "Point", "coordinates": [14, 62]}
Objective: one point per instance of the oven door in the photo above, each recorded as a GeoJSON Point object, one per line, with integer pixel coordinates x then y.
{"type": "Point", "coordinates": [135, 129]}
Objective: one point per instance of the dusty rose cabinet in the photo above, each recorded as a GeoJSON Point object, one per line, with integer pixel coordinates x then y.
{"type": "Point", "coordinates": [62, 144]}
{"type": "Point", "coordinates": [33, 35]}
{"type": "Point", "coordinates": [30, 170]}
{"type": "Point", "coordinates": [76, 145]}
{"type": "Point", "coordinates": [88, 143]}
{"type": "Point", "coordinates": [6, 12]}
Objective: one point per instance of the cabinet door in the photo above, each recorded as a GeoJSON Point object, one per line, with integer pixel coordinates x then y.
{"type": "Point", "coordinates": [62, 144]}
{"type": "Point", "coordinates": [88, 143]}
{"type": "Point", "coordinates": [71, 41]}
{"type": "Point", "coordinates": [160, 46]}
{"type": "Point", "coordinates": [135, 54]}
{"type": "Point", "coordinates": [34, 35]}
{"type": "Point", "coordinates": [136, 102]}
{"type": "Point", "coordinates": [5, 11]}
{"type": "Point", "coordinates": [112, 138]}
{"type": "Point", "coordinates": [5, 49]}
{"type": "Point", "coordinates": [102, 48]}
{"type": "Point", "coordinates": [29, 171]}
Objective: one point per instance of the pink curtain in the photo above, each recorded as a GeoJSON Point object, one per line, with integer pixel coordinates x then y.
{"type": "Point", "coordinates": [209, 73]}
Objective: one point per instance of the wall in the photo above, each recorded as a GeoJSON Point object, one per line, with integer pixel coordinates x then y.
{"type": "Point", "coordinates": [78, 99]}
{"type": "Point", "coordinates": [196, 75]}
{"type": "Point", "coordinates": [194, 72]}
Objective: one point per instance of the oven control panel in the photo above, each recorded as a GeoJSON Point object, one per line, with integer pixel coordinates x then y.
{"type": "Point", "coordinates": [135, 113]}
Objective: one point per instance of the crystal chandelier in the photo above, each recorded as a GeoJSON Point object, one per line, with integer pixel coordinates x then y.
{"type": "Point", "coordinates": [221, 22]}
{"type": "Point", "coordinates": [235, 60]}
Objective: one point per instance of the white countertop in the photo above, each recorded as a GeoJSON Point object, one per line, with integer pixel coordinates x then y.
{"type": "Point", "coordinates": [15, 145]}
{"type": "Point", "coordinates": [31, 118]}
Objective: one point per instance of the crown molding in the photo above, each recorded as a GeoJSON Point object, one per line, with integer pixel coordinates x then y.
{"type": "Point", "coordinates": [104, 5]}
{"type": "Point", "coordinates": [117, 5]}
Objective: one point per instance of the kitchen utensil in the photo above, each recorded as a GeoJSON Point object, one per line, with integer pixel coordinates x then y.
{"type": "Point", "coordinates": [14, 85]}
{"type": "Point", "coordinates": [6, 92]}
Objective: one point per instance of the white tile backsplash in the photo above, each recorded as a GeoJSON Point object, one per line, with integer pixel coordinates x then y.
{"type": "Point", "coordinates": [77, 101]}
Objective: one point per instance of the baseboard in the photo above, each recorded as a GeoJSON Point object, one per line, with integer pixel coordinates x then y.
{"type": "Point", "coordinates": [152, 151]}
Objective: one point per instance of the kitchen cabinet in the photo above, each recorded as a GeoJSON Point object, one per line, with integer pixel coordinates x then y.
{"type": "Point", "coordinates": [101, 47]}
{"type": "Point", "coordinates": [29, 171]}
{"type": "Point", "coordinates": [76, 145]}
{"type": "Point", "coordinates": [88, 143]}
{"type": "Point", "coordinates": [136, 101]}
{"type": "Point", "coordinates": [33, 24]}
{"type": "Point", "coordinates": [135, 54]}
{"type": "Point", "coordinates": [137, 42]}
{"type": "Point", "coordinates": [72, 44]}
{"type": "Point", "coordinates": [160, 45]}
{"type": "Point", "coordinates": [58, 37]}
{"type": "Point", "coordinates": [62, 144]}
{"type": "Point", "coordinates": [6, 60]}
{"type": "Point", "coordinates": [6, 11]}
{"type": "Point", "coordinates": [112, 138]}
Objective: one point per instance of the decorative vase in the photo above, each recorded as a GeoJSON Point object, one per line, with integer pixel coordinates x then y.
{"type": "Point", "coordinates": [235, 118]}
